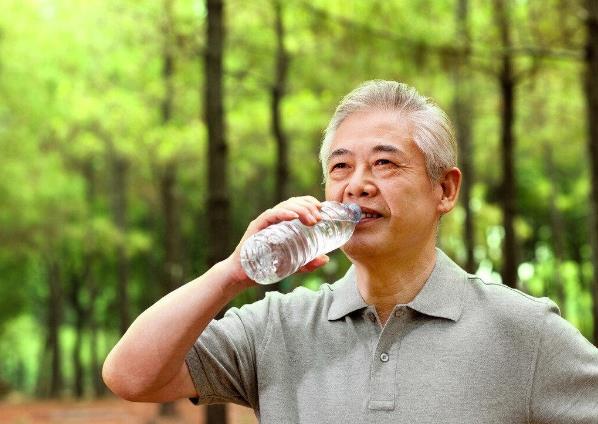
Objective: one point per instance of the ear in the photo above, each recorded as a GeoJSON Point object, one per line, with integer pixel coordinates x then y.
{"type": "Point", "coordinates": [450, 184]}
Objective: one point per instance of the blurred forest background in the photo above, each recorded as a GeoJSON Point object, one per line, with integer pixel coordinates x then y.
{"type": "Point", "coordinates": [139, 138]}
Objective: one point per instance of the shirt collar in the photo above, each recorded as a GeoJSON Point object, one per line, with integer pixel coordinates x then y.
{"type": "Point", "coordinates": [345, 296]}
{"type": "Point", "coordinates": [441, 296]}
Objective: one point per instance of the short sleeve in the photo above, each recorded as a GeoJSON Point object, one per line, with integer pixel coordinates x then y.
{"type": "Point", "coordinates": [222, 362]}
{"type": "Point", "coordinates": [565, 381]}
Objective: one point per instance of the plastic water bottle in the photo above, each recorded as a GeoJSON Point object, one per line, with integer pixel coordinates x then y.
{"type": "Point", "coordinates": [281, 249]}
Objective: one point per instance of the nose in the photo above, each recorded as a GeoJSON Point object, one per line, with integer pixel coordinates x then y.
{"type": "Point", "coordinates": [360, 185]}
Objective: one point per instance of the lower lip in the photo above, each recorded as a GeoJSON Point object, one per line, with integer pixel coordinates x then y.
{"type": "Point", "coordinates": [367, 220]}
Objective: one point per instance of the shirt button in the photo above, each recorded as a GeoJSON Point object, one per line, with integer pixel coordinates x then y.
{"type": "Point", "coordinates": [384, 357]}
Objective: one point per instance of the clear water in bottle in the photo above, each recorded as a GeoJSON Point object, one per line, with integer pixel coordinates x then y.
{"type": "Point", "coordinates": [281, 249]}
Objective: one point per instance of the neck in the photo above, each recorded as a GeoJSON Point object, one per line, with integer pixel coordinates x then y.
{"type": "Point", "coordinates": [392, 281]}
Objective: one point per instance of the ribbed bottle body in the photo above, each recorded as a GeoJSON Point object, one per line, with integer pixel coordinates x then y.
{"type": "Point", "coordinates": [281, 249]}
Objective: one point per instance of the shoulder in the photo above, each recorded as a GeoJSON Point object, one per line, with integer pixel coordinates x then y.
{"type": "Point", "coordinates": [507, 305]}
{"type": "Point", "coordinates": [256, 321]}
{"type": "Point", "coordinates": [300, 304]}
{"type": "Point", "coordinates": [502, 296]}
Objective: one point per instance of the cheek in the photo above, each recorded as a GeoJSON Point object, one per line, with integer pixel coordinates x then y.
{"type": "Point", "coordinates": [333, 191]}
{"type": "Point", "coordinates": [407, 201]}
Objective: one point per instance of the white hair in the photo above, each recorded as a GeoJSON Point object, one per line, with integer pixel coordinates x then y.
{"type": "Point", "coordinates": [432, 130]}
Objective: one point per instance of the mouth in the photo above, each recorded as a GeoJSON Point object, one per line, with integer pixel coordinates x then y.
{"type": "Point", "coordinates": [369, 215]}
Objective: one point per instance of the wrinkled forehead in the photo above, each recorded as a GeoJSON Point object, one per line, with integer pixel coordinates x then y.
{"type": "Point", "coordinates": [371, 133]}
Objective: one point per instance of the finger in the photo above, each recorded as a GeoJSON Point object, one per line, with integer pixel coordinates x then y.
{"type": "Point", "coordinates": [274, 216]}
{"type": "Point", "coordinates": [305, 215]}
{"type": "Point", "coordinates": [267, 218]}
{"type": "Point", "coordinates": [313, 204]}
{"type": "Point", "coordinates": [315, 264]}
{"type": "Point", "coordinates": [309, 213]}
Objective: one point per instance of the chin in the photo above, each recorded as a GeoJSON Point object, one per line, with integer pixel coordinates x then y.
{"type": "Point", "coordinates": [356, 250]}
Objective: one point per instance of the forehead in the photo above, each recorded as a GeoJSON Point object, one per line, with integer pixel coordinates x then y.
{"type": "Point", "coordinates": [372, 131]}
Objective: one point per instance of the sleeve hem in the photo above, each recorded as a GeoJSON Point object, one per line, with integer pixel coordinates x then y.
{"type": "Point", "coordinates": [534, 364]}
{"type": "Point", "coordinates": [194, 365]}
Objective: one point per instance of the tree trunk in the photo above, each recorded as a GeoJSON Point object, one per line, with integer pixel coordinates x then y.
{"type": "Point", "coordinates": [508, 187]}
{"type": "Point", "coordinates": [218, 196]}
{"type": "Point", "coordinates": [463, 118]}
{"type": "Point", "coordinates": [172, 272]}
{"type": "Point", "coordinates": [119, 169]}
{"type": "Point", "coordinates": [168, 178]}
{"type": "Point", "coordinates": [119, 206]}
{"type": "Point", "coordinates": [118, 172]}
{"type": "Point", "coordinates": [168, 62]}
{"type": "Point", "coordinates": [76, 283]}
{"type": "Point", "coordinates": [54, 322]}
{"type": "Point", "coordinates": [96, 372]}
{"type": "Point", "coordinates": [277, 94]}
{"type": "Point", "coordinates": [276, 97]}
{"type": "Point", "coordinates": [591, 90]}
{"type": "Point", "coordinates": [41, 384]}
{"type": "Point", "coordinates": [97, 383]}
{"type": "Point", "coordinates": [558, 233]}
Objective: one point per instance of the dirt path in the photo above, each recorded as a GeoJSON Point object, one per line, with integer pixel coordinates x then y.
{"type": "Point", "coordinates": [110, 411]}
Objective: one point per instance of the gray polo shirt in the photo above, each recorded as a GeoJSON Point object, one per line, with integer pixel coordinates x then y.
{"type": "Point", "coordinates": [463, 351]}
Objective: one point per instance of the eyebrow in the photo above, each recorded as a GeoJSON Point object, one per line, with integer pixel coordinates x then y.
{"type": "Point", "coordinates": [387, 148]}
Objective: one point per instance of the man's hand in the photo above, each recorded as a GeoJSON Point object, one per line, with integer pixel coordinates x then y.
{"type": "Point", "coordinates": [304, 208]}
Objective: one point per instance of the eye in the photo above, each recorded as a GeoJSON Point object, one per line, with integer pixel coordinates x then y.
{"type": "Point", "coordinates": [338, 166]}
{"type": "Point", "coordinates": [382, 162]}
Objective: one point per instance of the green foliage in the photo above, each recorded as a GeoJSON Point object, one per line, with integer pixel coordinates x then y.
{"type": "Point", "coordinates": [82, 89]}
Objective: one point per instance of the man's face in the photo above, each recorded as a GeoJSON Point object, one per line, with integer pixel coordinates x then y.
{"type": "Point", "coordinates": [374, 162]}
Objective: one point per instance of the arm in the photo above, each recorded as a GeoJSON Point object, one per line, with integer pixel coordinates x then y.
{"type": "Point", "coordinates": [148, 363]}
{"type": "Point", "coordinates": [151, 353]}
{"type": "Point", "coordinates": [565, 380]}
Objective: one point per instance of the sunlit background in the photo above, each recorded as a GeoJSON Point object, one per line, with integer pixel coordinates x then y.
{"type": "Point", "coordinates": [104, 198]}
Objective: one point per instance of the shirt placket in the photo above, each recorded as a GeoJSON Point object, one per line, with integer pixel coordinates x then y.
{"type": "Point", "coordinates": [383, 384]}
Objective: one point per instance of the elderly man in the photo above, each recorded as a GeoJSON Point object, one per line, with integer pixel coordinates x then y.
{"type": "Point", "coordinates": [406, 336]}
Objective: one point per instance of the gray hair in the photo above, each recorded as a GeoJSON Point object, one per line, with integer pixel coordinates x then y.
{"type": "Point", "coordinates": [432, 130]}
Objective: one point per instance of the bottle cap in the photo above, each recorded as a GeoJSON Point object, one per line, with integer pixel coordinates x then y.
{"type": "Point", "coordinates": [355, 211]}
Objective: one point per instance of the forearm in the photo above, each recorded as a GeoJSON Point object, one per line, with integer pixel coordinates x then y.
{"type": "Point", "coordinates": [147, 364]}
{"type": "Point", "coordinates": [153, 349]}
